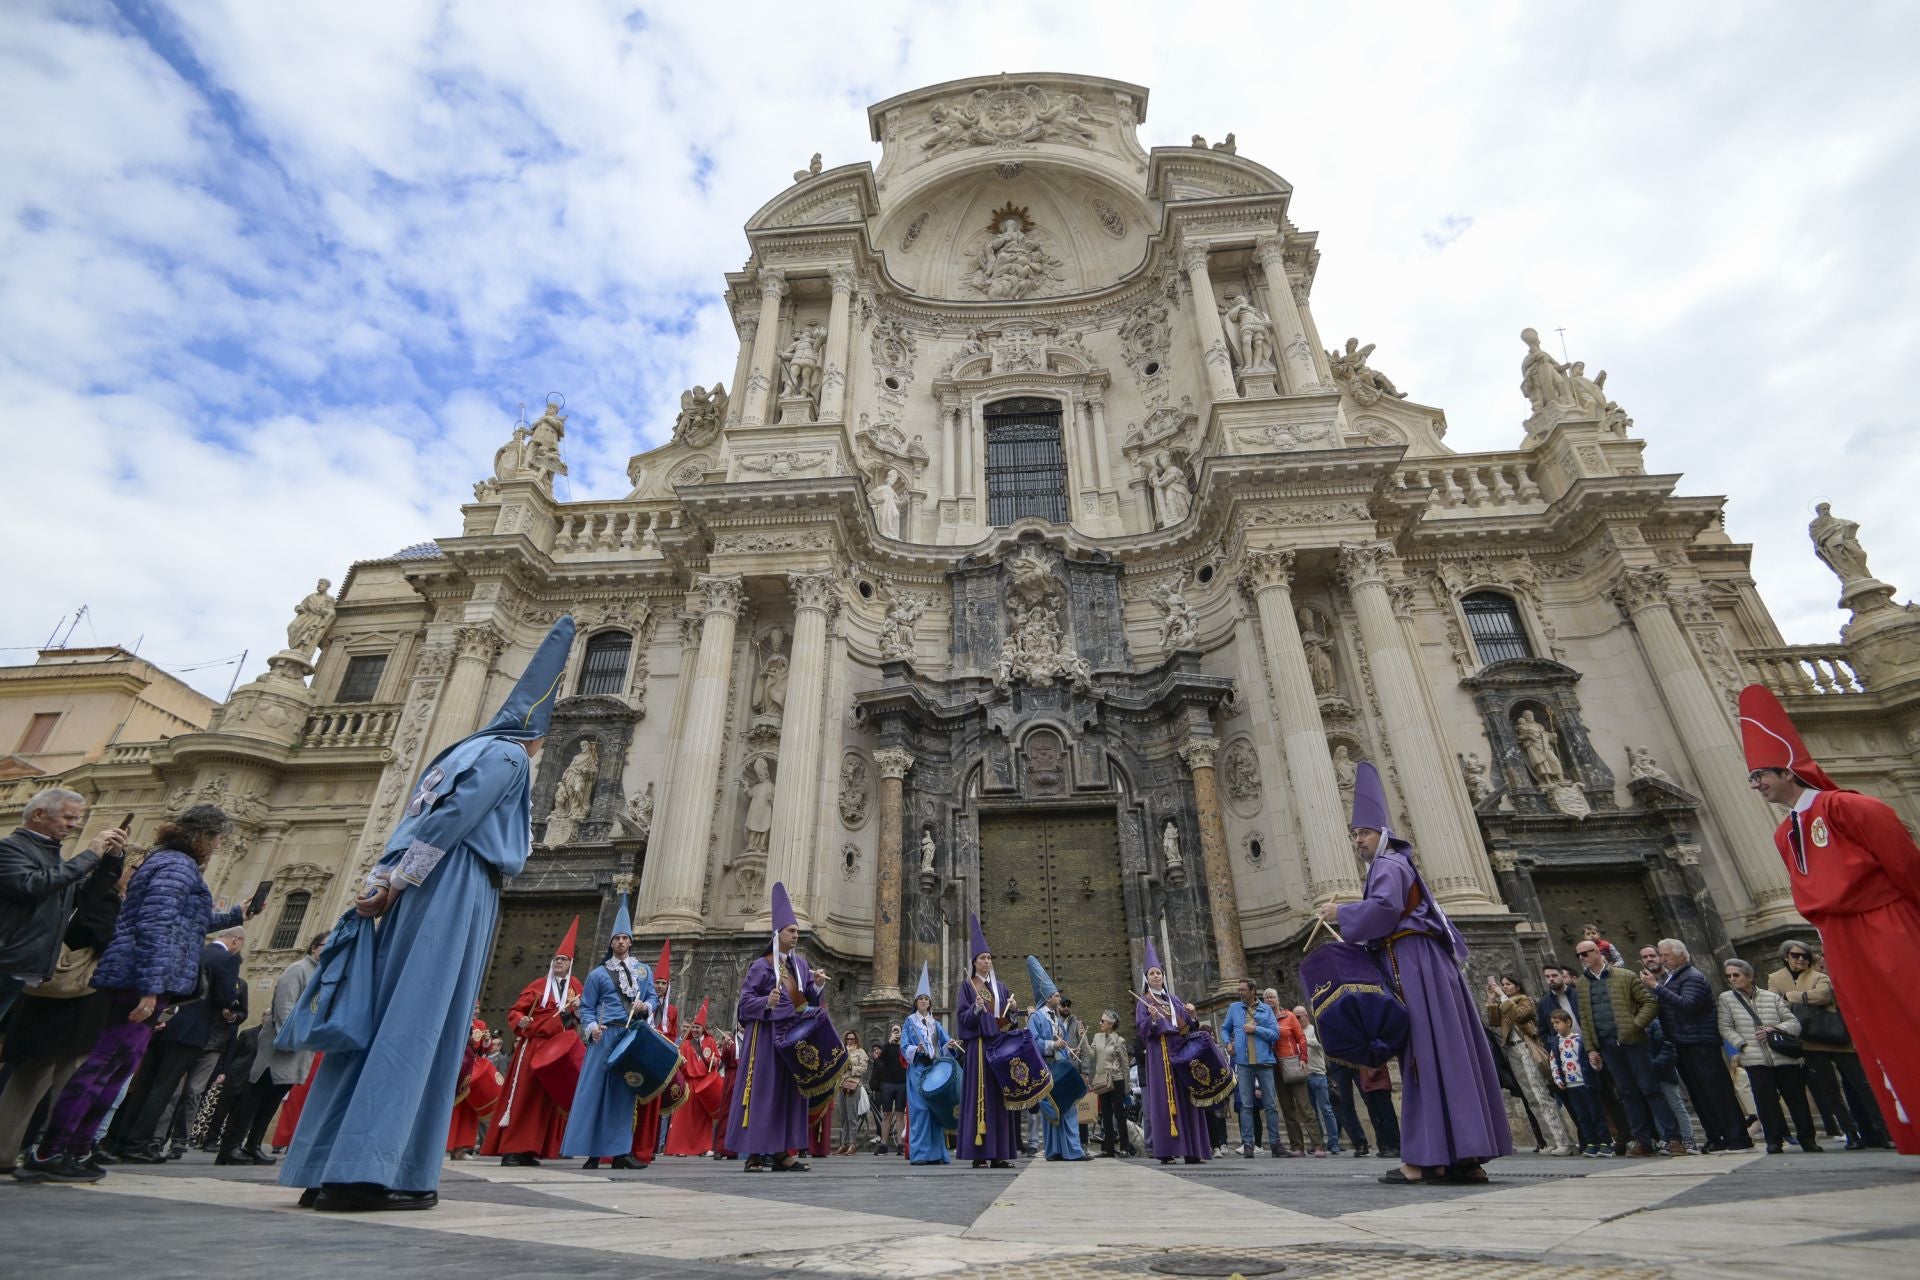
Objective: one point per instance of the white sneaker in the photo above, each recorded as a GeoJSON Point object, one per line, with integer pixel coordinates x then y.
{"type": "Point", "coordinates": [1564, 1151]}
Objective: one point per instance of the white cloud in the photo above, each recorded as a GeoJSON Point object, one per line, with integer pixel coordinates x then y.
{"type": "Point", "coordinates": [259, 259]}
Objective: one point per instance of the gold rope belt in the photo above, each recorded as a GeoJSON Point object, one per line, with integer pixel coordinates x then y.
{"type": "Point", "coordinates": [746, 1094]}
{"type": "Point", "coordinates": [1166, 1067]}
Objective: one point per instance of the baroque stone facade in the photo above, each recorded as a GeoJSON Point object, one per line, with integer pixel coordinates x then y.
{"type": "Point", "coordinates": [1038, 557]}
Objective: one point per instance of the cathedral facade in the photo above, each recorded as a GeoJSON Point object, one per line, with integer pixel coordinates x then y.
{"type": "Point", "coordinates": [1038, 558]}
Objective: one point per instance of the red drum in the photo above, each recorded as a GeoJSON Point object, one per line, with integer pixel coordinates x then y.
{"type": "Point", "coordinates": [711, 1092]}
{"type": "Point", "coordinates": [676, 1095]}
{"type": "Point", "coordinates": [1024, 1078]}
{"type": "Point", "coordinates": [482, 1088]}
{"type": "Point", "coordinates": [556, 1065]}
{"type": "Point", "coordinates": [1204, 1067]}
{"type": "Point", "coordinates": [811, 1048]}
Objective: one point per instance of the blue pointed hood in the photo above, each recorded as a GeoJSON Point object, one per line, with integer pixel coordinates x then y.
{"type": "Point", "coordinates": [926, 983]}
{"type": "Point", "coordinates": [528, 711]}
{"type": "Point", "coordinates": [622, 920]}
{"type": "Point", "coordinates": [1043, 986]}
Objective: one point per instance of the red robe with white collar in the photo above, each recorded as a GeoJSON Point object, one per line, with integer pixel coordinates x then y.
{"type": "Point", "coordinates": [1857, 879]}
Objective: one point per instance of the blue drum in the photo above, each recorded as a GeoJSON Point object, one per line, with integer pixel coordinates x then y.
{"type": "Point", "coordinates": [647, 1059]}
{"type": "Point", "coordinates": [940, 1084]}
{"type": "Point", "coordinates": [1068, 1087]}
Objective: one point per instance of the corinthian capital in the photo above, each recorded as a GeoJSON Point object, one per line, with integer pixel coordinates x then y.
{"type": "Point", "coordinates": [1199, 753]}
{"type": "Point", "coordinates": [1271, 252]}
{"type": "Point", "coordinates": [1263, 570]}
{"type": "Point", "coordinates": [773, 281]}
{"type": "Point", "coordinates": [811, 590]}
{"type": "Point", "coordinates": [1637, 590]}
{"type": "Point", "coordinates": [483, 642]}
{"type": "Point", "coordinates": [718, 593]}
{"type": "Point", "coordinates": [893, 762]}
{"type": "Point", "coordinates": [841, 278]}
{"type": "Point", "coordinates": [1193, 256]}
{"type": "Point", "coordinates": [1365, 563]}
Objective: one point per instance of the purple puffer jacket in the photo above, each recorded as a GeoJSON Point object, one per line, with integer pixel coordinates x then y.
{"type": "Point", "coordinates": [163, 924]}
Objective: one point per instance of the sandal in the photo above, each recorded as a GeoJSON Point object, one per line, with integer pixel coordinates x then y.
{"type": "Point", "coordinates": [1397, 1177]}
{"type": "Point", "coordinates": [1468, 1175]}
{"type": "Point", "coordinates": [793, 1165]}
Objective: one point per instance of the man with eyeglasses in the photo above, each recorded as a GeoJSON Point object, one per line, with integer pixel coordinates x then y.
{"type": "Point", "coordinates": [1801, 984]}
{"type": "Point", "coordinates": [1855, 873]}
{"type": "Point", "coordinates": [1615, 1011]}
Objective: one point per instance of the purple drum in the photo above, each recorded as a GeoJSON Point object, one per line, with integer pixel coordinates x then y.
{"type": "Point", "coordinates": [1361, 1019]}
{"type": "Point", "coordinates": [812, 1050]}
{"type": "Point", "coordinates": [1206, 1070]}
{"type": "Point", "coordinates": [1019, 1070]}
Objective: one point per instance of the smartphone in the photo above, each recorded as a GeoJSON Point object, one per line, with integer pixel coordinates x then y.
{"type": "Point", "coordinates": [126, 824]}
{"type": "Point", "coordinates": [259, 902]}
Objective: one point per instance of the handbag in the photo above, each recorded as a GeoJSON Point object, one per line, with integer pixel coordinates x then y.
{"type": "Point", "coordinates": [1822, 1025]}
{"type": "Point", "coordinates": [1777, 1041]}
{"type": "Point", "coordinates": [335, 1012]}
{"type": "Point", "coordinates": [1292, 1070]}
{"type": "Point", "coordinates": [72, 975]}
{"type": "Point", "coordinates": [1101, 1082]}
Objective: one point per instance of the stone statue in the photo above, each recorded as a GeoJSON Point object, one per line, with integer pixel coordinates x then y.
{"type": "Point", "coordinates": [896, 634]}
{"type": "Point", "coordinates": [1837, 543]}
{"type": "Point", "coordinates": [1589, 394]}
{"type": "Point", "coordinates": [1346, 771]}
{"type": "Point", "coordinates": [534, 452]}
{"type": "Point", "coordinates": [1543, 754]}
{"type": "Point", "coordinates": [1319, 651]}
{"type": "Point", "coordinates": [1541, 381]}
{"type": "Point", "coordinates": [770, 690]}
{"type": "Point", "coordinates": [573, 795]}
{"type": "Point", "coordinates": [926, 851]}
{"type": "Point", "coordinates": [1199, 143]}
{"type": "Point", "coordinates": [1172, 496]}
{"type": "Point", "coordinates": [759, 784]}
{"type": "Point", "coordinates": [702, 414]}
{"type": "Point", "coordinates": [1179, 628]}
{"type": "Point", "coordinates": [800, 363]}
{"type": "Point", "coordinates": [1640, 765]}
{"type": "Point", "coordinates": [1479, 785]}
{"type": "Point", "coordinates": [1367, 386]}
{"type": "Point", "coordinates": [1249, 333]}
{"type": "Point", "coordinates": [638, 819]}
{"type": "Point", "coordinates": [312, 619]}
{"type": "Point", "coordinates": [811, 171]}
{"type": "Point", "coordinates": [1036, 651]}
{"type": "Point", "coordinates": [1227, 145]}
{"type": "Point", "coordinates": [1170, 846]}
{"type": "Point", "coordinates": [1013, 264]}
{"type": "Point", "coordinates": [885, 499]}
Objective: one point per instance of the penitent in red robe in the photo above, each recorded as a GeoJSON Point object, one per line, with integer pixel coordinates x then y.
{"type": "Point", "coordinates": [528, 1120]}
{"type": "Point", "coordinates": [463, 1130]}
{"type": "Point", "coordinates": [1859, 884]}
{"type": "Point", "coordinates": [290, 1109]}
{"type": "Point", "coordinates": [691, 1131]}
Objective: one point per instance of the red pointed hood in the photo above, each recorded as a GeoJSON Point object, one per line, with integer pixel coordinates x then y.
{"type": "Point", "coordinates": [700, 1018]}
{"type": "Point", "coordinates": [567, 944]}
{"type": "Point", "coordinates": [1772, 742]}
{"type": "Point", "coordinates": [663, 969]}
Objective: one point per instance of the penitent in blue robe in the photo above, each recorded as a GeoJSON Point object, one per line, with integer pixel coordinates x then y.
{"type": "Point", "coordinates": [601, 1121]}
{"type": "Point", "coordinates": [1063, 1133]}
{"type": "Point", "coordinates": [922, 1044]}
{"type": "Point", "coordinates": [379, 1115]}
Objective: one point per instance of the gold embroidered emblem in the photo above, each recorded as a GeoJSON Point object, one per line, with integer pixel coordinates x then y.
{"type": "Point", "coordinates": [1818, 833]}
{"type": "Point", "coordinates": [808, 1055]}
{"type": "Point", "coordinates": [1019, 1072]}
{"type": "Point", "coordinates": [1201, 1075]}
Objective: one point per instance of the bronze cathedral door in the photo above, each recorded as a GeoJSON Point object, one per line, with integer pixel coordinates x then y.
{"type": "Point", "coordinates": [1050, 886]}
{"type": "Point", "coordinates": [523, 946]}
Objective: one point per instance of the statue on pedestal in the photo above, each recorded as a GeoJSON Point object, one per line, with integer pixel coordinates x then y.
{"type": "Point", "coordinates": [638, 819]}
{"type": "Point", "coordinates": [1319, 651]}
{"type": "Point", "coordinates": [1837, 543]}
{"type": "Point", "coordinates": [1640, 765]}
{"type": "Point", "coordinates": [573, 794]}
{"type": "Point", "coordinates": [759, 784]}
{"type": "Point", "coordinates": [1172, 495]}
{"type": "Point", "coordinates": [312, 619]}
{"type": "Point", "coordinates": [927, 851]}
{"type": "Point", "coordinates": [1367, 386]}
{"type": "Point", "coordinates": [1170, 846]}
{"type": "Point", "coordinates": [1542, 383]}
{"type": "Point", "coordinates": [702, 413]}
{"type": "Point", "coordinates": [801, 363]}
{"type": "Point", "coordinates": [1249, 333]}
{"type": "Point", "coordinates": [1543, 754]}
{"type": "Point", "coordinates": [886, 500]}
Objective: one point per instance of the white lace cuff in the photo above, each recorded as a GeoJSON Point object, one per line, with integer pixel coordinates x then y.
{"type": "Point", "coordinates": [418, 862]}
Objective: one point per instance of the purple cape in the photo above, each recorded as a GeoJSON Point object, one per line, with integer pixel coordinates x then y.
{"type": "Point", "coordinates": [769, 1115]}
{"type": "Point", "coordinates": [987, 1129]}
{"type": "Point", "coordinates": [1179, 1128]}
{"type": "Point", "coordinates": [1451, 1106]}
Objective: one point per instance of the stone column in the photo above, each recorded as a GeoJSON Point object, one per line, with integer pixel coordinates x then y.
{"type": "Point", "coordinates": [1332, 870]}
{"type": "Point", "coordinates": [1223, 901]}
{"type": "Point", "coordinates": [1712, 745]}
{"type": "Point", "coordinates": [1086, 482]}
{"type": "Point", "coordinates": [766, 343]}
{"type": "Point", "coordinates": [1289, 333]}
{"type": "Point", "coordinates": [1206, 323]}
{"type": "Point", "coordinates": [1452, 862]}
{"type": "Point", "coordinates": [893, 763]}
{"type": "Point", "coordinates": [797, 789]}
{"type": "Point", "coordinates": [742, 370]}
{"type": "Point", "coordinates": [833, 384]}
{"type": "Point", "coordinates": [690, 626]}
{"type": "Point", "coordinates": [676, 864]}
{"type": "Point", "coordinates": [1098, 404]}
{"type": "Point", "coordinates": [475, 650]}
{"type": "Point", "coordinates": [950, 429]}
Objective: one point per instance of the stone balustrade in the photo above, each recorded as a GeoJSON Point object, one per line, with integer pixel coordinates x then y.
{"type": "Point", "coordinates": [583, 529]}
{"type": "Point", "coordinates": [1480, 481]}
{"type": "Point", "coordinates": [128, 753]}
{"type": "Point", "coordinates": [1804, 669]}
{"type": "Point", "coordinates": [352, 724]}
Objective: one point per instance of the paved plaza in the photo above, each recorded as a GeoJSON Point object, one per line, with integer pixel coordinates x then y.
{"type": "Point", "coordinates": [1832, 1215]}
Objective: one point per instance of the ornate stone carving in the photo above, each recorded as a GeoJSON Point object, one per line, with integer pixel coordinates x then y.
{"type": "Point", "coordinates": [534, 452]}
{"type": "Point", "coordinates": [802, 362]}
{"type": "Point", "coordinates": [434, 662]}
{"type": "Point", "coordinates": [690, 472]}
{"type": "Point", "coordinates": [1319, 653]}
{"type": "Point", "coordinates": [1013, 263]}
{"type": "Point", "coordinates": [1199, 752]}
{"type": "Point", "coordinates": [914, 229]}
{"type": "Point", "coordinates": [1362, 563]}
{"type": "Point", "coordinates": [1165, 425]}
{"type": "Point", "coordinates": [483, 642]}
{"type": "Point", "coordinates": [896, 633]}
{"type": "Point", "coordinates": [1242, 770]}
{"type": "Point", "coordinates": [887, 496]}
{"type": "Point", "coordinates": [811, 171]}
{"type": "Point", "coordinates": [1543, 384]}
{"type": "Point", "coordinates": [717, 593]}
{"type": "Point", "coordinates": [855, 789]}
{"type": "Point", "coordinates": [1172, 495]}
{"type": "Point", "coordinates": [1346, 774]}
{"type": "Point", "coordinates": [893, 762]}
{"type": "Point", "coordinates": [813, 590]}
{"type": "Point", "coordinates": [772, 280]}
{"type": "Point", "coordinates": [1265, 569]}
{"type": "Point", "coordinates": [573, 795]}
{"type": "Point", "coordinates": [1366, 385]}
{"type": "Point", "coordinates": [702, 413]}
{"type": "Point", "coordinates": [1249, 333]}
{"type": "Point", "coordinates": [1036, 650]}
{"type": "Point", "coordinates": [1542, 751]}
{"type": "Point", "coordinates": [637, 820]}
{"type": "Point", "coordinates": [754, 542]}
{"type": "Point", "coordinates": [1636, 590]}
{"type": "Point", "coordinates": [1006, 117]}
{"type": "Point", "coordinates": [312, 619]}
{"type": "Point", "coordinates": [1835, 540]}
{"type": "Point", "coordinates": [1285, 437]}
{"type": "Point", "coordinates": [1474, 770]}
{"type": "Point", "coordinates": [1110, 220]}
{"type": "Point", "coordinates": [1179, 628]}
{"type": "Point", "coordinates": [1640, 765]}
{"type": "Point", "coordinates": [1145, 336]}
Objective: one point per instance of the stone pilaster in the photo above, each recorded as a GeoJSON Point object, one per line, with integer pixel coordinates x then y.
{"type": "Point", "coordinates": [833, 379]}
{"type": "Point", "coordinates": [1331, 869]}
{"type": "Point", "coordinates": [1223, 901]}
{"type": "Point", "coordinates": [1712, 746]}
{"type": "Point", "coordinates": [742, 370]}
{"type": "Point", "coordinates": [797, 789]}
{"type": "Point", "coordinates": [1453, 865]}
{"type": "Point", "coordinates": [676, 863]}
{"type": "Point", "coordinates": [475, 649]}
{"type": "Point", "coordinates": [690, 624]}
{"type": "Point", "coordinates": [893, 764]}
{"type": "Point", "coordinates": [1289, 332]}
{"type": "Point", "coordinates": [766, 344]}
{"type": "Point", "coordinates": [1206, 323]}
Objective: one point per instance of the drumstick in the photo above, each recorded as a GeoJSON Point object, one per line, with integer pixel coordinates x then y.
{"type": "Point", "coordinates": [1319, 923]}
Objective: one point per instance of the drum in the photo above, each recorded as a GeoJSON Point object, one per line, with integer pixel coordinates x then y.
{"type": "Point", "coordinates": [940, 1083]}
{"type": "Point", "coordinates": [647, 1059]}
{"type": "Point", "coordinates": [710, 1092]}
{"type": "Point", "coordinates": [482, 1088]}
{"type": "Point", "coordinates": [1205, 1069]}
{"type": "Point", "coordinates": [1361, 1019]}
{"type": "Point", "coordinates": [1019, 1070]}
{"type": "Point", "coordinates": [556, 1065]}
{"type": "Point", "coordinates": [1069, 1086]}
{"type": "Point", "coordinates": [811, 1048]}
{"type": "Point", "coordinates": [676, 1095]}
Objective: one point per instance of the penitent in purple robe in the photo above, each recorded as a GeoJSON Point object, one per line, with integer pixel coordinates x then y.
{"type": "Point", "coordinates": [769, 1114]}
{"type": "Point", "coordinates": [1179, 1128]}
{"type": "Point", "coordinates": [1452, 1109]}
{"type": "Point", "coordinates": [988, 1131]}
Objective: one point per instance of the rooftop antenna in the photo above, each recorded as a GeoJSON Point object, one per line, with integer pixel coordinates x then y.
{"type": "Point", "coordinates": [71, 627]}
{"type": "Point", "coordinates": [55, 632]}
{"type": "Point", "coordinates": [1563, 342]}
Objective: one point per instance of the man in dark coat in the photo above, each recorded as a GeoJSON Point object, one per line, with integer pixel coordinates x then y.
{"type": "Point", "coordinates": [191, 1047]}
{"type": "Point", "coordinates": [1688, 1016]}
{"type": "Point", "coordinates": [36, 888]}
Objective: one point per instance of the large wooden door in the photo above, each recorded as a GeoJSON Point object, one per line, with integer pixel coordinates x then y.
{"type": "Point", "coordinates": [1616, 901]}
{"type": "Point", "coordinates": [523, 947]}
{"type": "Point", "coordinates": [1050, 886]}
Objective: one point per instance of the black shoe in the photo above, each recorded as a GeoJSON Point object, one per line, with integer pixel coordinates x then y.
{"type": "Point", "coordinates": [979, 1164]}
{"type": "Point", "coordinates": [228, 1157]}
{"type": "Point", "coordinates": [176, 1153]}
{"type": "Point", "coordinates": [254, 1155]}
{"type": "Point", "coordinates": [356, 1199]}
{"type": "Point", "coordinates": [627, 1162]}
{"type": "Point", "coordinates": [1002, 1164]}
{"type": "Point", "coordinates": [309, 1198]}
{"type": "Point", "coordinates": [102, 1155]}
{"type": "Point", "coordinates": [145, 1155]}
{"type": "Point", "coordinates": [1811, 1146]}
{"type": "Point", "coordinates": [593, 1162]}
{"type": "Point", "coordinates": [1194, 1160]}
{"type": "Point", "coordinates": [64, 1168]}
{"type": "Point", "coordinates": [1359, 1152]}
{"type": "Point", "coordinates": [520, 1160]}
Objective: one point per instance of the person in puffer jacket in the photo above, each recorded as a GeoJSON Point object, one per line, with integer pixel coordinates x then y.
{"type": "Point", "coordinates": [154, 958]}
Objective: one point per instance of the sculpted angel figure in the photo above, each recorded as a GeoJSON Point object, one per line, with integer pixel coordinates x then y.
{"type": "Point", "coordinates": [1367, 385]}
{"type": "Point", "coordinates": [1249, 333]}
{"type": "Point", "coordinates": [701, 414]}
{"type": "Point", "coordinates": [1588, 393]}
{"type": "Point", "coordinates": [1172, 496]}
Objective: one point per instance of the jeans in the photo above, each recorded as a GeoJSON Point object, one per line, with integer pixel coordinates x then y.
{"type": "Point", "coordinates": [1260, 1074]}
{"type": "Point", "coordinates": [850, 1119]}
{"type": "Point", "coordinates": [1386, 1125]}
{"type": "Point", "coordinates": [1344, 1084]}
{"type": "Point", "coordinates": [1704, 1069]}
{"type": "Point", "coordinates": [1683, 1126]}
{"type": "Point", "coordinates": [1786, 1081]}
{"type": "Point", "coordinates": [1322, 1095]}
{"type": "Point", "coordinates": [1631, 1067]}
{"type": "Point", "coordinates": [1588, 1115]}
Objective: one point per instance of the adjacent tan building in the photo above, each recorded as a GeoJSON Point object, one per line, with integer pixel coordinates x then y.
{"type": "Point", "coordinates": [1039, 558]}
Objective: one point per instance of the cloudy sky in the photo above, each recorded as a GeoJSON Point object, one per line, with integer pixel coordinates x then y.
{"type": "Point", "coordinates": [275, 278]}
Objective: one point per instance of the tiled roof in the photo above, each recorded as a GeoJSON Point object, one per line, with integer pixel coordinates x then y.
{"type": "Point", "coordinates": [418, 551]}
